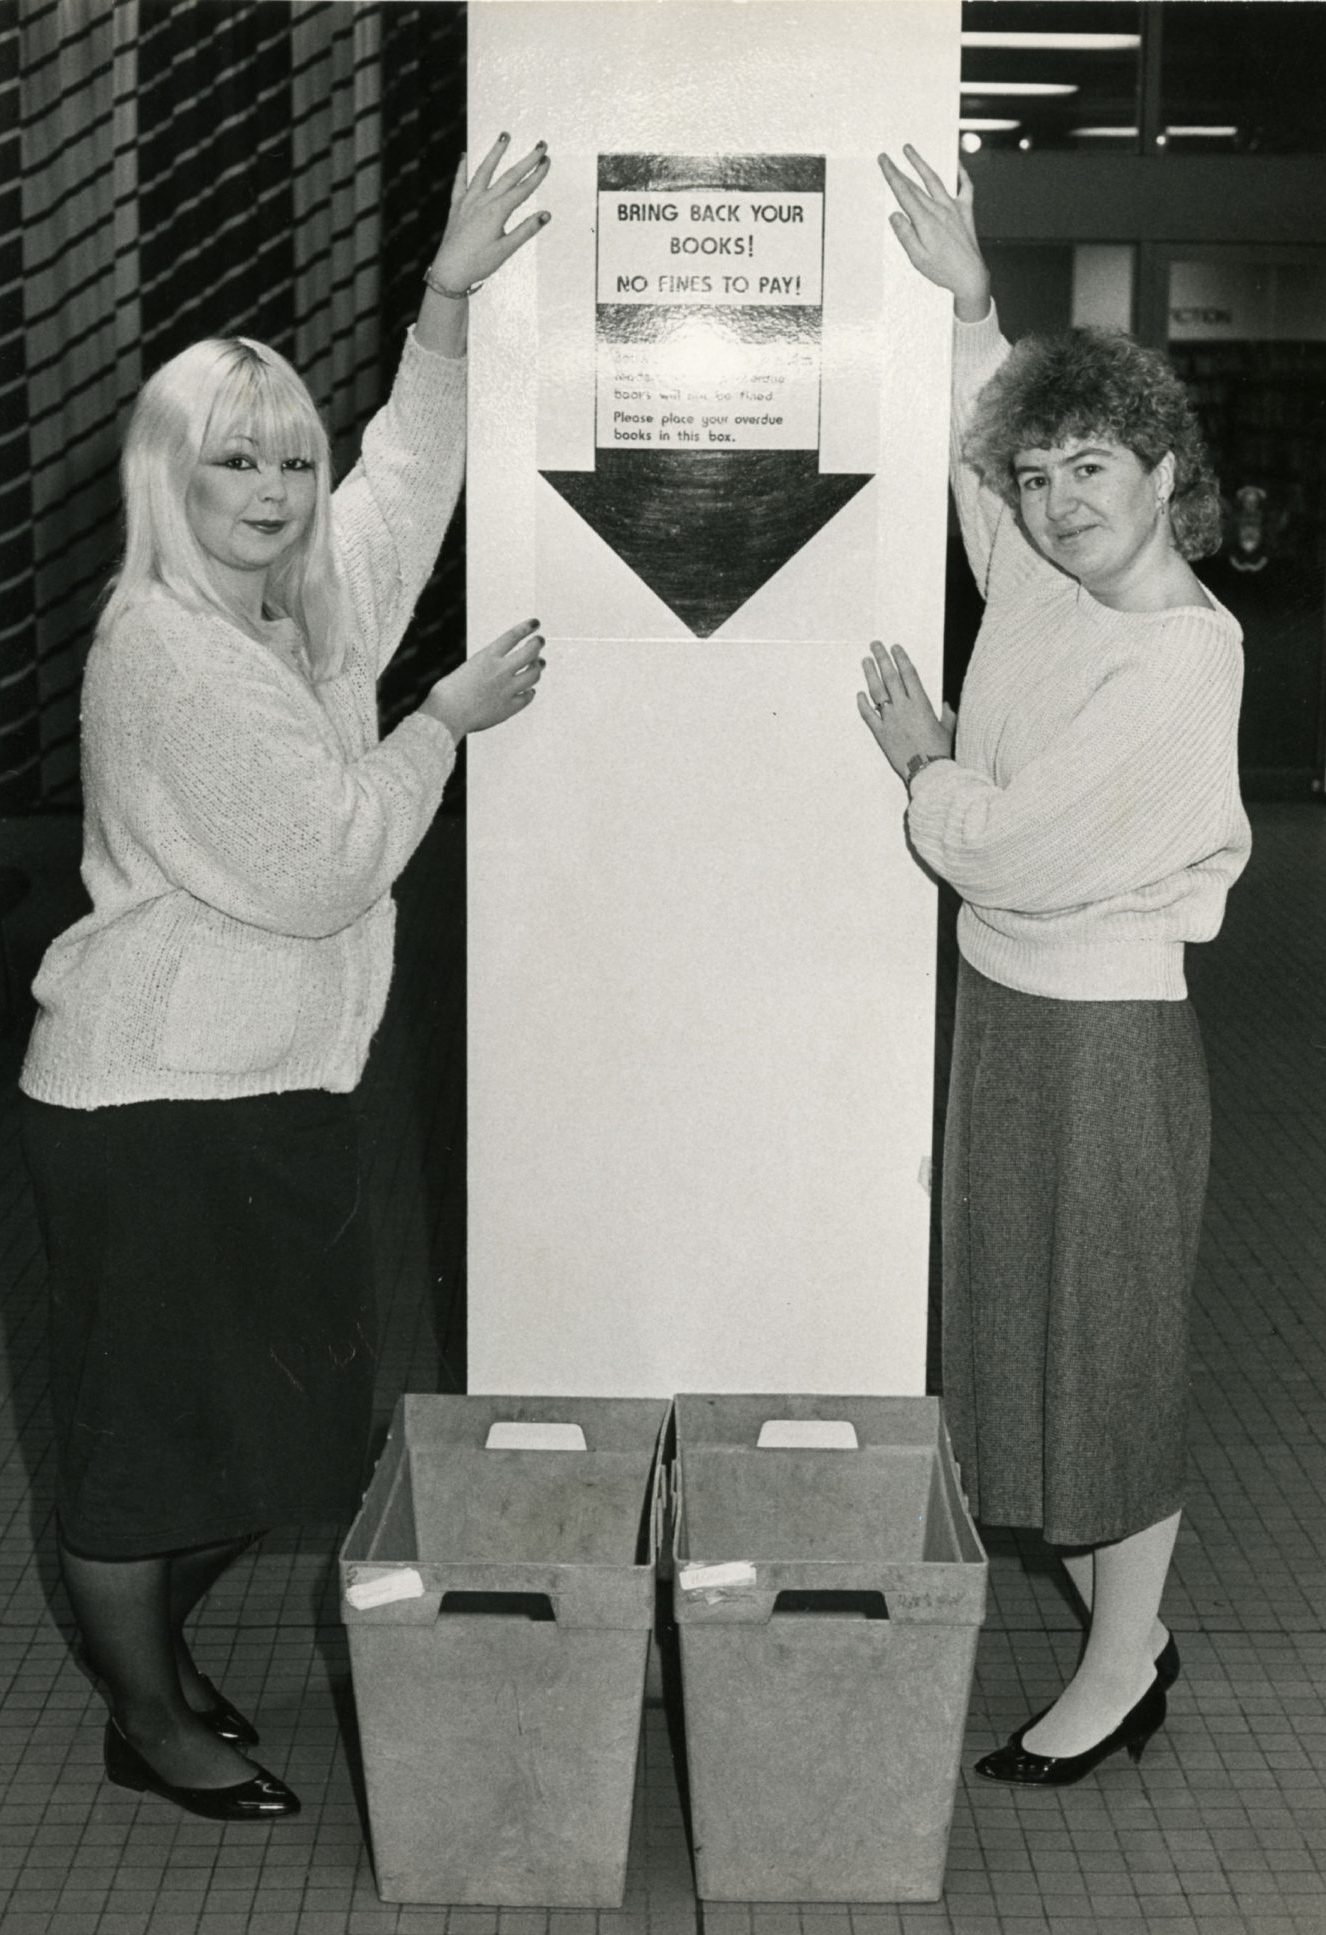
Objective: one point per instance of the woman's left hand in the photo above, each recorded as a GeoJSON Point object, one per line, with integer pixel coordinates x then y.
{"type": "Point", "coordinates": [476, 242]}
{"type": "Point", "coordinates": [898, 712]}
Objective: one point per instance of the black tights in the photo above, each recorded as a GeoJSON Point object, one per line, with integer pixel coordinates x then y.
{"type": "Point", "coordinates": [131, 1615]}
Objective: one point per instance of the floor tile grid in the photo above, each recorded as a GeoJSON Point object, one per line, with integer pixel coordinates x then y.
{"type": "Point", "coordinates": [1135, 1850]}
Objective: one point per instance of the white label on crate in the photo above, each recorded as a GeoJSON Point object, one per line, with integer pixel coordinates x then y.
{"type": "Point", "coordinates": [535, 1437]}
{"type": "Point", "coordinates": [385, 1589]}
{"type": "Point", "coordinates": [716, 1578]}
{"type": "Point", "coordinates": [810, 1434]}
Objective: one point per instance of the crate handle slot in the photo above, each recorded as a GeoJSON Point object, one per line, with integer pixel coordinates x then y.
{"type": "Point", "coordinates": [808, 1434]}
{"type": "Point", "coordinates": [506, 1605]}
{"type": "Point", "coordinates": [516, 1434]}
{"type": "Point", "coordinates": [833, 1602]}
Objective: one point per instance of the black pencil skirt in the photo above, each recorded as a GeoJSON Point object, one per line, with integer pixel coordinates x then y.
{"type": "Point", "coordinates": [211, 1316]}
{"type": "Point", "coordinates": [1075, 1165]}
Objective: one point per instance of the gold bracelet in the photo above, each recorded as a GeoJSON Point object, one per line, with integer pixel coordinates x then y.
{"type": "Point", "coordinates": [452, 295]}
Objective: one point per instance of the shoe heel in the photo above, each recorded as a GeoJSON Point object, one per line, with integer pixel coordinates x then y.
{"type": "Point", "coordinates": [1152, 1722]}
{"type": "Point", "coordinates": [121, 1761]}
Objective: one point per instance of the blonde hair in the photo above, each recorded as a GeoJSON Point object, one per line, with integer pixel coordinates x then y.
{"type": "Point", "coordinates": [212, 390]}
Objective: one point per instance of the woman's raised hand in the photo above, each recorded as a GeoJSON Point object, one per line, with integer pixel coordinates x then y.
{"type": "Point", "coordinates": [492, 685]}
{"type": "Point", "coordinates": [476, 241]}
{"type": "Point", "coordinates": [938, 232]}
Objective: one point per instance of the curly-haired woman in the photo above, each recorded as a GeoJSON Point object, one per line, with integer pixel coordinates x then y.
{"type": "Point", "coordinates": [1088, 815]}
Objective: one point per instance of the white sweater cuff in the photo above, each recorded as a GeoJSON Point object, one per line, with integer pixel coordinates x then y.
{"type": "Point", "coordinates": [413, 345]}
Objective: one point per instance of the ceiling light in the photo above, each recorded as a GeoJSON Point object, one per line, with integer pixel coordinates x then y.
{"type": "Point", "coordinates": [1210, 134]}
{"type": "Point", "coordinates": [1105, 134]}
{"type": "Point", "coordinates": [978, 124]}
{"type": "Point", "coordinates": [1041, 88]}
{"type": "Point", "coordinates": [1074, 43]}
{"type": "Point", "coordinates": [969, 143]}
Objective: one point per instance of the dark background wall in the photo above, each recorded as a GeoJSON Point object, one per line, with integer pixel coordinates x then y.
{"type": "Point", "coordinates": [171, 169]}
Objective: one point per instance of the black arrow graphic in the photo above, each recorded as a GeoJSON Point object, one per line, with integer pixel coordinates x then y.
{"type": "Point", "coordinates": [705, 530]}
{"type": "Point", "coordinates": [714, 309]}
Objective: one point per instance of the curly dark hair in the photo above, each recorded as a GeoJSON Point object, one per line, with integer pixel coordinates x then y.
{"type": "Point", "coordinates": [1097, 383]}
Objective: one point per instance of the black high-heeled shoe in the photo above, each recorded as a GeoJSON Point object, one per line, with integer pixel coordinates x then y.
{"type": "Point", "coordinates": [263, 1798]}
{"type": "Point", "coordinates": [1016, 1763]}
{"type": "Point", "coordinates": [1167, 1663]}
{"type": "Point", "coordinates": [225, 1720]}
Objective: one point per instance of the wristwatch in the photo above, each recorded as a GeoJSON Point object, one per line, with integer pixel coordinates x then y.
{"type": "Point", "coordinates": [916, 764]}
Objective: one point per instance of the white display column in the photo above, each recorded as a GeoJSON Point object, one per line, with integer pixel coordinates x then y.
{"type": "Point", "coordinates": [709, 418]}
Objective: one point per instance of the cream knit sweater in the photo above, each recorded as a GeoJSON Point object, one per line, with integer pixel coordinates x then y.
{"type": "Point", "coordinates": [242, 825]}
{"type": "Point", "coordinates": [1090, 817]}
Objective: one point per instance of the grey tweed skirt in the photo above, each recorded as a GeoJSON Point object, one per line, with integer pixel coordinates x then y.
{"type": "Point", "coordinates": [1075, 1166]}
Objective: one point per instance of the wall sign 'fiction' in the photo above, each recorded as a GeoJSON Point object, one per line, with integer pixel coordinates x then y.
{"type": "Point", "coordinates": [707, 379]}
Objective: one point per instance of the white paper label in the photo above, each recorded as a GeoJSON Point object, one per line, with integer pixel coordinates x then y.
{"type": "Point", "coordinates": [385, 1589]}
{"type": "Point", "coordinates": [716, 1578]}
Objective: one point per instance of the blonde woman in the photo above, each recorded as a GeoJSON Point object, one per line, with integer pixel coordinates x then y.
{"type": "Point", "coordinates": [189, 1114]}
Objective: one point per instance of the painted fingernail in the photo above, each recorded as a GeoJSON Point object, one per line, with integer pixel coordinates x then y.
{"type": "Point", "coordinates": [540, 147]}
{"type": "Point", "coordinates": [504, 137]}
{"type": "Point", "coordinates": [544, 217]}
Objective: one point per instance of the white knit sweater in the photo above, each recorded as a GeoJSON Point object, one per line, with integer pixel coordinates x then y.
{"type": "Point", "coordinates": [242, 825]}
{"type": "Point", "coordinates": [1090, 817]}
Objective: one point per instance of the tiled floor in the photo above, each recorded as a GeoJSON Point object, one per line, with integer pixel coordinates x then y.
{"type": "Point", "coordinates": [1222, 1831]}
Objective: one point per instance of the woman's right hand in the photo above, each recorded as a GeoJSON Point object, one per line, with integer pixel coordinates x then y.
{"type": "Point", "coordinates": [938, 232]}
{"type": "Point", "coordinates": [476, 243]}
{"type": "Point", "coordinates": [491, 685]}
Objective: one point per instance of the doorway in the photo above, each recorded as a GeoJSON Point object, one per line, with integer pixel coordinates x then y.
{"type": "Point", "coordinates": [1247, 332]}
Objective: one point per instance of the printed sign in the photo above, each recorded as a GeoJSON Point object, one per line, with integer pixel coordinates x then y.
{"type": "Point", "coordinates": [708, 320]}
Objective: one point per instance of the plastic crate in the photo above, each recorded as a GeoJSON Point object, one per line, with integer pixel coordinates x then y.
{"type": "Point", "coordinates": [499, 1603]}
{"type": "Point", "coordinates": [828, 1602]}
